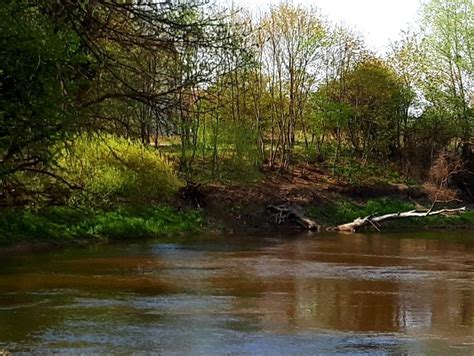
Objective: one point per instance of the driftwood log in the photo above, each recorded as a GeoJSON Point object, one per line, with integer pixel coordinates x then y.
{"type": "Point", "coordinates": [375, 221]}
{"type": "Point", "coordinates": [287, 213]}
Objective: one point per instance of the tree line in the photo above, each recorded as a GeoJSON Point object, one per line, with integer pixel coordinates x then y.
{"type": "Point", "coordinates": [232, 90]}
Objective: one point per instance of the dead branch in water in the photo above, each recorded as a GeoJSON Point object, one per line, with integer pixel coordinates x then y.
{"type": "Point", "coordinates": [375, 221]}
{"type": "Point", "coordinates": [285, 213]}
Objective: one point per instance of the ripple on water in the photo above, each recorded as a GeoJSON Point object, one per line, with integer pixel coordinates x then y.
{"type": "Point", "coordinates": [334, 294]}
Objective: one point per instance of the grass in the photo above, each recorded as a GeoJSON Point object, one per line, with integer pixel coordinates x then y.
{"type": "Point", "coordinates": [344, 211]}
{"type": "Point", "coordinates": [349, 168]}
{"type": "Point", "coordinates": [356, 174]}
{"type": "Point", "coordinates": [231, 170]}
{"type": "Point", "coordinates": [62, 224]}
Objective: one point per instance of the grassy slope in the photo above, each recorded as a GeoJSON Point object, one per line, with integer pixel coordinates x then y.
{"type": "Point", "coordinates": [62, 224]}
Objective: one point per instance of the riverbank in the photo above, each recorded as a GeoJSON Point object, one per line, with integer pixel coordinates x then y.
{"type": "Point", "coordinates": [326, 200]}
{"type": "Point", "coordinates": [227, 208]}
{"type": "Point", "coordinates": [60, 225]}
{"type": "Point", "coordinates": [252, 216]}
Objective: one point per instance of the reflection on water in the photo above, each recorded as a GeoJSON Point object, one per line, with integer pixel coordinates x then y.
{"type": "Point", "coordinates": [308, 294]}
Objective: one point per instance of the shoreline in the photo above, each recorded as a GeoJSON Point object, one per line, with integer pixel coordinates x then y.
{"type": "Point", "coordinates": [225, 209]}
{"type": "Point", "coordinates": [244, 220]}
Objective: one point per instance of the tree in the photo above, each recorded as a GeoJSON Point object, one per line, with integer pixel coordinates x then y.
{"type": "Point", "coordinates": [370, 105]}
{"type": "Point", "coordinates": [296, 38]}
{"type": "Point", "coordinates": [120, 66]}
{"type": "Point", "coordinates": [43, 71]}
{"type": "Point", "coordinates": [343, 52]}
{"type": "Point", "coordinates": [448, 28]}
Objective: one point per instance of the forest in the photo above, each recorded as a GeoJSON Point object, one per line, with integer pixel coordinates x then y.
{"type": "Point", "coordinates": [117, 116]}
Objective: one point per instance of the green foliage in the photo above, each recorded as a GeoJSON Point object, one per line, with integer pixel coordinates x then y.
{"type": "Point", "coordinates": [368, 104]}
{"type": "Point", "coordinates": [239, 158]}
{"type": "Point", "coordinates": [111, 169]}
{"type": "Point", "coordinates": [229, 170]}
{"type": "Point", "coordinates": [449, 39]}
{"type": "Point", "coordinates": [463, 220]}
{"type": "Point", "coordinates": [327, 114]}
{"type": "Point", "coordinates": [42, 69]}
{"type": "Point", "coordinates": [238, 95]}
{"type": "Point", "coordinates": [355, 173]}
{"type": "Point", "coordinates": [60, 224]}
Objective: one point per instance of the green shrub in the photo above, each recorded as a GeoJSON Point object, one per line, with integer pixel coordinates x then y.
{"type": "Point", "coordinates": [111, 169]}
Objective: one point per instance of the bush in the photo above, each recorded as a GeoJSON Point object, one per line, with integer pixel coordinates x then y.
{"type": "Point", "coordinates": [111, 169]}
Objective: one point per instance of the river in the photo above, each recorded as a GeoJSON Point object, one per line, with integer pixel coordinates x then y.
{"type": "Point", "coordinates": [305, 294]}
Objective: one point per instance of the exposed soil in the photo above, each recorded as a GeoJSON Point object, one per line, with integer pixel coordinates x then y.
{"type": "Point", "coordinates": [244, 207]}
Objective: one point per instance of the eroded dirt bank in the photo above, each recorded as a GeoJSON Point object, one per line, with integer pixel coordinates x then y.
{"type": "Point", "coordinates": [237, 208]}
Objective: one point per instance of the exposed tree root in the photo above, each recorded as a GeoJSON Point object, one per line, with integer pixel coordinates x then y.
{"type": "Point", "coordinates": [285, 213]}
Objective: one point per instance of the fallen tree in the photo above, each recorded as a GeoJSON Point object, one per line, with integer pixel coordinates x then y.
{"type": "Point", "coordinates": [290, 213]}
{"type": "Point", "coordinates": [285, 213]}
{"type": "Point", "coordinates": [376, 221]}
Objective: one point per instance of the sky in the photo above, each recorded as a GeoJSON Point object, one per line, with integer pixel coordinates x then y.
{"type": "Point", "coordinates": [379, 21]}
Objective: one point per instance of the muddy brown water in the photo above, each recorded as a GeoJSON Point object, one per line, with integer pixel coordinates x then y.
{"type": "Point", "coordinates": [307, 294]}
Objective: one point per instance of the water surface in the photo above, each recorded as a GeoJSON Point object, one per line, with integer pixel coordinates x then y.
{"type": "Point", "coordinates": [308, 294]}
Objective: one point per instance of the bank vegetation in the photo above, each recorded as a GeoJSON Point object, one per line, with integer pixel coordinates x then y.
{"type": "Point", "coordinates": [123, 104]}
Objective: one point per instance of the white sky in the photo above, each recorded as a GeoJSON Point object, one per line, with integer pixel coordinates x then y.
{"type": "Point", "coordinates": [379, 21]}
